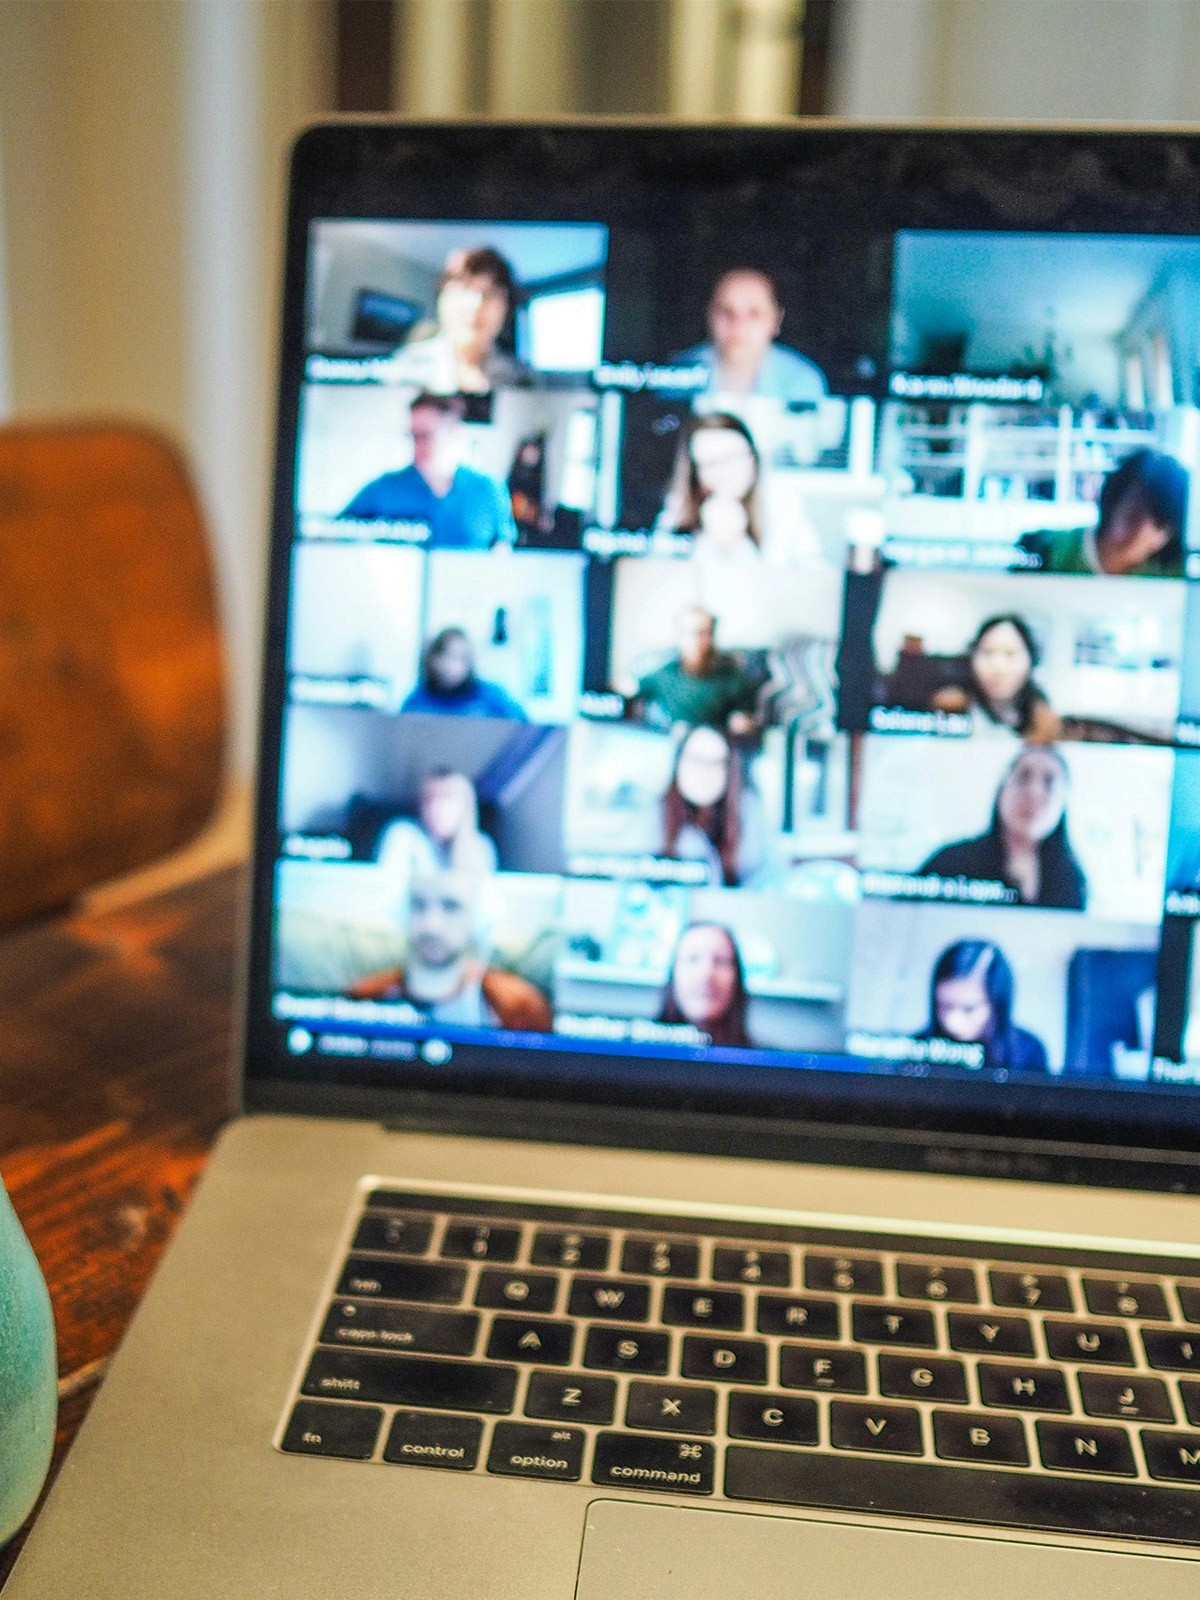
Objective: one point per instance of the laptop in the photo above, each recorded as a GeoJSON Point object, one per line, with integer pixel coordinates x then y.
{"type": "Point", "coordinates": [722, 1039]}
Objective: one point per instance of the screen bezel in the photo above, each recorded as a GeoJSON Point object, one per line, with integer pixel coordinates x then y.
{"type": "Point", "coordinates": [1089, 181]}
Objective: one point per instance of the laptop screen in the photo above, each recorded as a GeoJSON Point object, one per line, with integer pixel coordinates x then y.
{"type": "Point", "coordinates": [734, 637]}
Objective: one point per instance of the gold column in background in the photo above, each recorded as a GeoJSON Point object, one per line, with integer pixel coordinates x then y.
{"type": "Point", "coordinates": [766, 59]}
{"type": "Point", "coordinates": [735, 58]}
{"type": "Point", "coordinates": [698, 39]}
{"type": "Point", "coordinates": [531, 66]}
{"type": "Point", "coordinates": [693, 59]}
{"type": "Point", "coordinates": [432, 58]}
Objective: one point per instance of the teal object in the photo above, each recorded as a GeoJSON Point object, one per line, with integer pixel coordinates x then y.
{"type": "Point", "coordinates": [28, 1374]}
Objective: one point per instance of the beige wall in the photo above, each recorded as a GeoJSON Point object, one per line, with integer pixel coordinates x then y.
{"type": "Point", "coordinates": [142, 154]}
{"type": "Point", "coordinates": [1026, 60]}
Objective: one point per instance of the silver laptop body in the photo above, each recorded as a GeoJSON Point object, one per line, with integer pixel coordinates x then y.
{"type": "Point", "coordinates": [720, 1060]}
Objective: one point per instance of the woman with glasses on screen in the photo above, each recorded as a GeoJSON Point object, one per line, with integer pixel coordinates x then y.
{"type": "Point", "coordinates": [714, 491]}
{"type": "Point", "coordinates": [709, 813]}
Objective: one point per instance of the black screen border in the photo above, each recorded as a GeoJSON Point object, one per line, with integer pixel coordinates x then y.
{"type": "Point", "coordinates": [870, 181]}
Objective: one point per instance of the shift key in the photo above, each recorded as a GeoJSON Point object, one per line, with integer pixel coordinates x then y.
{"type": "Point", "coordinates": [411, 1381]}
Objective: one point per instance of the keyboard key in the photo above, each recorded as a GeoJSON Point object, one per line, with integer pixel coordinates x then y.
{"type": "Point", "coordinates": [365, 1325]}
{"type": "Point", "coordinates": [893, 1325]}
{"type": "Point", "coordinates": [733, 1360]}
{"type": "Point", "coordinates": [384, 1230]}
{"type": "Point", "coordinates": [1031, 1291]}
{"type": "Point", "coordinates": [524, 1291]}
{"type": "Point", "coordinates": [780, 1418]}
{"type": "Point", "coordinates": [627, 1350]}
{"type": "Point", "coordinates": [1024, 1388]}
{"type": "Point", "coordinates": [620, 1298]}
{"type": "Point", "coordinates": [481, 1241]}
{"type": "Point", "coordinates": [640, 1461]}
{"type": "Point", "coordinates": [1126, 1297]}
{"type": "Point", "coordinates": [795, 1315]}
{"type": "Point", "coordinates": [671, 1407]}
{"type": "Point", "coordinates": [521, 1450]}
{"type": "Point", "coordinates": [903, 1378]}
{"type": "Point", "coordinates": [1174, 1456]}
{"type": "Point", "coordinates": [1103, 1342]}
{"type": "Point", "coordinates": [1172, 1352]}
{"type": "Point", "coordinates": [1076, 1447]}
{"type": "Point", "coordinates": [1108, 1394]}
{"type": "Point", "coordinates": [989, 1335]}
{"type": "Point", "coordinates": [564, 1247]}
{"type": "Point", "coordinates": [411, 1381]}
{"type": "Point", "coordinates": [703, 1308]}
{"type": "Point", "coordinates": [751, 1265]}
{"type": "Point", "coordinates": [372, 1277]}
{"type": "Point", "coordinates": [1189, 1300]}
{"type": "Point", "coordinates": [535, 1339]}
{"type": "Point", "coordinates": [844, 1274]}
{"type": "Point", "coordinates": [570, 1397]}
{"type": "Point", "coordinates": [427, 1439]}
{"type": "Point", "coordinates": [318, 1429]}
{"type": "Point", "coordinates": [992, 1497]}
{"type": "Point", "coordinates": [1189, 1393]}
{"type": "Point", "coordinates": [968, 1436]}
{"type": "Point", "coordinates": [931, 1280]}
{"type": "Point", "coordinates": [892, 1430]}
{"type": "Point", "coordinates": [661, 1257]}
{"type": "Point", "coordinates": [820, 1366]}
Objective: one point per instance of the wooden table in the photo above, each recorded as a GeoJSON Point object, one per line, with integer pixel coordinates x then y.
{"type": "Point", "coordinates": [116, 1073]}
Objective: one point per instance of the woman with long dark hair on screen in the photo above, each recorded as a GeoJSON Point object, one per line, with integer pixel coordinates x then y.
{"type": "Point", "coordinates": [709, 813]}
{"type": "Point", "coordinates": [706, 986]}
{"type": "Point", "coordinates": [1026, 846]}
{"type": "Point", "coordinates": [1000, 664]}
{"type": "Point", "coordinates": [714, 490]}
{"type": "Point", "coordinates": [971, 994]}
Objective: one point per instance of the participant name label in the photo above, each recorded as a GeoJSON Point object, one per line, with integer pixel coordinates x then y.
{"type": "Point", "coordinates": [918, 886]}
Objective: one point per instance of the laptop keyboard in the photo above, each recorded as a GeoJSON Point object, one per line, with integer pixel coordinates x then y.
{"type": "Point", "coordinates": [787, 1366]}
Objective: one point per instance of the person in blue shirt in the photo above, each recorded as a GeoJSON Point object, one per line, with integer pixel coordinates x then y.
{"type": "Point", "coordinates": [449, 687]}
{"type": "Point", "coordinates": [463, 509]}
{"type": "Point", "coordinates": [742, 353]}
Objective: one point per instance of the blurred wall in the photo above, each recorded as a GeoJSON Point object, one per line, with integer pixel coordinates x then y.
{"type": "Point", "coordinates": [142, 154]}
{"type": "Point", "coordinates": [1024, 60]}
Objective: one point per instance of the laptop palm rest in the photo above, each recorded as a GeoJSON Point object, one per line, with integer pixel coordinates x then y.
{"type": "Point", "coordinates": [674, 1553]}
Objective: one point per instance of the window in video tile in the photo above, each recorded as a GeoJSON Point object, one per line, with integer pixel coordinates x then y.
{"type": "Point", "coordinates": [1003, 994]}
{"type": "Point", "coordinates": [455, 632]}
{"type": "Point", "coordinates": [689, 967]}
{"type": "Point", "coordinates": [1044, 400]}
{"type": "Point", "coordinates": [457, 307]}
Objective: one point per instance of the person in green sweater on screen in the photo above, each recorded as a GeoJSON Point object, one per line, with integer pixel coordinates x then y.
{"type": "Point", "coordinates": [1139, 532]}
{"type": "Point", "coordinates": [701, 684]}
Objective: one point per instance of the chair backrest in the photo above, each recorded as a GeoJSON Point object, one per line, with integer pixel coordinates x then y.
{"type": "Point", "coordinates": [111, 668]}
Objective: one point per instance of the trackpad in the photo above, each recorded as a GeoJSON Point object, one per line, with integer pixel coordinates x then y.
{"type": "Point", "coordinates": [674, 1553]}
